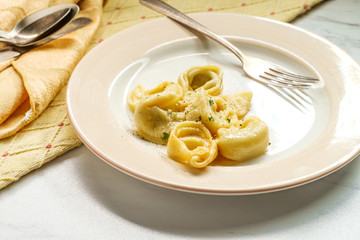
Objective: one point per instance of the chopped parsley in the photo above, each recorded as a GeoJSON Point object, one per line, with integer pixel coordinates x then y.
{"type": "Point", "coordinates": [211, 118]}
{"type": "Point", "coordinates": [229, 120]}
{"type": "Point", "coordinates": [165, 136]}
{"type": "Point", "coordinates": [211, 102]}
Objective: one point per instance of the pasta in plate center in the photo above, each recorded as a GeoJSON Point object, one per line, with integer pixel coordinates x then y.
{"type": "Point", "coordinates": [195, 122]}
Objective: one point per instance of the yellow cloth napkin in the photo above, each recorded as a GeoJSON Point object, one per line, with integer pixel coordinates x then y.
{"type": "Point", "coordinates": [34, 127]}
{"type": "Point", "coordinates": [33, 84]}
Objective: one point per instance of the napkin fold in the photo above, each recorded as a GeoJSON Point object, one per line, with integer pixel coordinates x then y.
{"type": "Point", "coordinates": [32, 81]}
{"type": "Point", "coordinates": [34, 126]}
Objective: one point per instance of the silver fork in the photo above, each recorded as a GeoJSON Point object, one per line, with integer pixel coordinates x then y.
{"type": "Point", "coordinates": [258, 69]}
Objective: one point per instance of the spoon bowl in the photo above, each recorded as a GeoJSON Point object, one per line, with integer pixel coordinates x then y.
{"type": "Point", "coordinates": [39, 25]}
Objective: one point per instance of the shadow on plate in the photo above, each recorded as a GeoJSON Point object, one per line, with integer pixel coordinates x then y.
{"type": "Point", "coordinates": [189, 214]}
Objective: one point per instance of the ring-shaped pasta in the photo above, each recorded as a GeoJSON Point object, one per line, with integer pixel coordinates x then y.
{"type": "Point", "coordinates": [195, 122]}
{"type": "Point", "coordinates": [152, 123]}
{"type": "Point", "coordinates": [212, 111]}
{"type": "Point", "coordinates": [245, 141]}
{"type": "Point", "coordinates": [208, 77]}
{"type": "Point", "coordinates": [240, 103]}
{"type": "Point", "coordinates": [192, 144]}
{"type": "Point", "coordinates": [166, 95]}
{"type": "Point", "coordinates": [135, 96]}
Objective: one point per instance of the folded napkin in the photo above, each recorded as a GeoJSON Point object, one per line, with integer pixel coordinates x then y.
{"type": "Point", "coordinates": [34, 83]}
{"type": "Point", "coordinates": [34, 126]}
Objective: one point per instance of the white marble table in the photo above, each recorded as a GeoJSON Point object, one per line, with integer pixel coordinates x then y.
{"type": "Point", "coordinates": [77, 196]}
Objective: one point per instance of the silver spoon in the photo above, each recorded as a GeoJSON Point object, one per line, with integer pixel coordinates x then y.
{"type": "Point", "coordinates": [12, 51]}
{"type": "Point", "coordinates": [39, 25]}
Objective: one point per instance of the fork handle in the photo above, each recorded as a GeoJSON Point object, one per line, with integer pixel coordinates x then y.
{"type": "Point", "coordinates": [178, 16]}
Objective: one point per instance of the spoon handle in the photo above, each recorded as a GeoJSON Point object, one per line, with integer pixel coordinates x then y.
{"type": "Point", "coordinates": [4, 36]}
{"type": "Point", "coordinates": [14, 51]}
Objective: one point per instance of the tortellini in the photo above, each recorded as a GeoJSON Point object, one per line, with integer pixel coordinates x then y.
{"type": "Point", "coordinates": [152, 123]}
{"type": "Point", "coordinates": [196, 122]}
{"type": "Point", "coordinates": [247, 140]}
{"type": "Point", "coordinates": [208, 77]}
{"type": "Point", "coordinates": [192, 144]}
{"type": "Point", "coordinates": [215, 111]}
{"type": "Point", "coordinates": [151, 117]}
{"type": "Point", "coordinates": [135, 96]}
{"type": "Point", "coordinates": [165, 95]}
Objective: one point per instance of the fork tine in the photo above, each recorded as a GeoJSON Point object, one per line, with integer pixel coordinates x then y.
{"type": "Point", "coordinates": [302, 95]}
{"type": "Point", "coordinates": [290, 79]}
{"type": "Point", "coordinates": [279, 82]}
{"type": "Point", "coordinates": [295, 76]}
{"type": "Point", "coordinates": [293, 98]}
{"type": "Point", "coordinates": [296, 97]}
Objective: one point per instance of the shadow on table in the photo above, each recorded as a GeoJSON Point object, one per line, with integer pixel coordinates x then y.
{"type": "Point", "coordinates": [188, 214]}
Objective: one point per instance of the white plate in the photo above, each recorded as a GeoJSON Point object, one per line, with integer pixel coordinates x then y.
{"type": "Point", "coordinates": [305, 145]}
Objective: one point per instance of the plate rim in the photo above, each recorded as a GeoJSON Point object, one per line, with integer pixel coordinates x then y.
{"type": "Point", "coordinates": [340, 163]}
